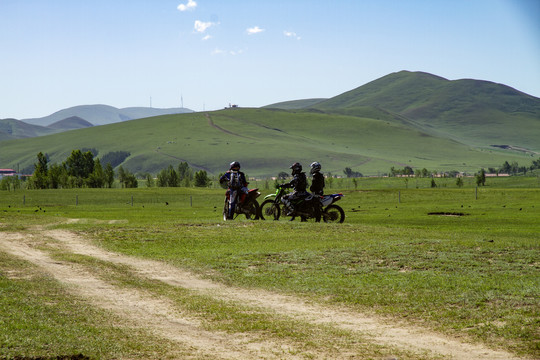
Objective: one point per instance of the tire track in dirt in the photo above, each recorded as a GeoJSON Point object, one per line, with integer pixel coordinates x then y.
{"type": "Point", "coordinates": [378, 331]}
{"type": "Point", "coordinates": [158, 316]}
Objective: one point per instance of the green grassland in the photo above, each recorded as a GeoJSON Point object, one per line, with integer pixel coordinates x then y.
{"type": "Point", "coordinates": [474, 274]}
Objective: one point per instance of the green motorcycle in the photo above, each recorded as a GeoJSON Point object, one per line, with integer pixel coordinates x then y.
{"type": "Point", "coordinates": [307, 208]}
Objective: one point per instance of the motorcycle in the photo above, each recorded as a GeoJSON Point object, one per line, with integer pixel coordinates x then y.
{"type": "Point", "coordinates": [271, 207]}
{"type": "Point", "coordinates": [233, 206]}
{"type": "Point", "coordinates": [306, 208]}
{"type": "Point", "coordinates": [332, 212]}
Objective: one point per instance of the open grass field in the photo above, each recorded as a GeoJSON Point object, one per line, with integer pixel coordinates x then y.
{"type": "Point", "coordinates": [451, 264]}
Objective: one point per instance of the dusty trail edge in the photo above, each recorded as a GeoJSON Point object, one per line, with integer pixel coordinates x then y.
{"type": "Point", "coordinates": [163, 320]}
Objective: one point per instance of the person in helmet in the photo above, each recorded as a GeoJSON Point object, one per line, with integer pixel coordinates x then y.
{"type": "Point", "coordinates": [299, 184]}
{"type": "Point", "coordinates": [235, 179]}
{"type": "Point", "coordinates": [317, 183]}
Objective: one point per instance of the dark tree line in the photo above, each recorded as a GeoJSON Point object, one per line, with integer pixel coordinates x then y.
{"type": "Point", "coordinates": [514, 168]}
{"type": "Point", "coordinates": [80, 169]}
{"type": "Point", "coordinates": [183, 175]}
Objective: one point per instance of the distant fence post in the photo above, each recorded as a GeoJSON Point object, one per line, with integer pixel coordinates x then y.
{"type": "Point", "coordinates": [191, 201]}
{"type": "Point", "coordinates": [76, 200]}
{"type": "Point", "coordinates": [399, 197]}
{"type": "Point", "coordinates": [476, 193]}
{"type": "Point", "coordinates": [131, 200]}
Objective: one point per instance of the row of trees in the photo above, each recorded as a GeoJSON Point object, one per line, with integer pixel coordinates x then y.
{"type": "Point", "coordinates": [421, 173]}
{"type": "Point", "coordinates": [84, 169]}
{"type": "Point", "coordinates": [514, 168]}
{"type": "Point", "coordinates": [81, 169]}
{"type": "Point", "coordinates": [507, 168]}
{"type": "Point", "coordinates": [182, 176]}
{"type": "Point", "coordinates": [78, 170]}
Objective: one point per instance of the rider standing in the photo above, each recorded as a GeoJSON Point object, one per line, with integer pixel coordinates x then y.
{"type": "Point", "coordinates": [299, 184]}
{"type": "Point", "coordinates": [317, 184]}
{"type": "Point", "coordinates": [235, 179]}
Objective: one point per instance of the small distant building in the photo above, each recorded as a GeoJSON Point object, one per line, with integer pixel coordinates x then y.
{"type": "Point", "coordinates": [7, 172]}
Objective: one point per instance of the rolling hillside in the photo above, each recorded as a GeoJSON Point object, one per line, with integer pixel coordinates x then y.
{"type": "Point", "coordinates": [403, 119]}
{"type": "Point", "coordinates": [16, 129]}
{"type": "Point", "coordinates": [264, 141]}
{"type": "Point", "coordinates": [478, 113]}
{"type": "Point", "coordinates": [294, 104]}
{"type": "Point", "coordinates": [71, 123]}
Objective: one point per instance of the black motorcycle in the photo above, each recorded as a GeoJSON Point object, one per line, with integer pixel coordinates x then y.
{"type": "Point", "coordinates": [332, 212]}
{"type": "Point", "coordinates": [308, 208]}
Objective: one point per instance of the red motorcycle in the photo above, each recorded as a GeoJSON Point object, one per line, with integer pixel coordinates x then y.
{"type": "Point", "coordinates": [237, 203]}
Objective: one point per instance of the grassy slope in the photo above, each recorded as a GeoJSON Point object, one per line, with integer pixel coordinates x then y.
{"type": "Point", "coordinates": [264, 141]}
{"type": "Point", "coordinates": [478, 113]}
{"type": "Point", "coordinates": [13, 129]}
{"type": "Point", "coordinates": [294, 104]}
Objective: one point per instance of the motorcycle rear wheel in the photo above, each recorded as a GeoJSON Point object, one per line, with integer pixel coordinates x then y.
{"type": "Point", "coordinates": [227, 214]}
{"type": "Point", "coordinates": [333, 213]}
{"type": "Point", "coordinates": [269, 210]}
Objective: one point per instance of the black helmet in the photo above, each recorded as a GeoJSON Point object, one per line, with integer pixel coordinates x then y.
{"type": "Point", "coordinates": [296, 168]}
{"type": "Point", "coordinates": [315, 167]}
{"type": "Point", "coordinates": [235, 165]}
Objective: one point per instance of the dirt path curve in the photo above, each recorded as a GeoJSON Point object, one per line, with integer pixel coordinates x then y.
{"type": "Point", "coordinates": [134, 305]}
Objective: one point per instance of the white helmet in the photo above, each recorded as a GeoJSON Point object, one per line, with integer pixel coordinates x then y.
{"type": "Point", "coordinates": [315, 166]}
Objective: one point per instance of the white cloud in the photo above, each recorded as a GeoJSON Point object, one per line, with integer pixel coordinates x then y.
{"type": "Point", "coordinates": [189, 6]}
{"type": "Point", "coordinates": [218, 51]}
{"type": "Point", "coordinates": [291, 34]}
{"type": "Point", "coordinates": [201, 26]}
{"type": "Point", "coordinates": [207, 37]}
{"type": "Point", "coordinates": [254, 30]}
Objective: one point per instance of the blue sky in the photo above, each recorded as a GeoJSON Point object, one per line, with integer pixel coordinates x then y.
{"type": "Point", "coordinates": [56, 54]}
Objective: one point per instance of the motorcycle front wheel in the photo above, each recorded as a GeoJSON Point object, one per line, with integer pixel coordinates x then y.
{"type": "Point", "coordinates": [269, 210]}
{"type": "Point", "coordinates": [227, 211]}
{"type": "Point", "coordinates": [333, 213]}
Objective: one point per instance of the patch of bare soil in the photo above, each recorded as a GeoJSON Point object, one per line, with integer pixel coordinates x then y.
{"type": "Point", "coordinates": [164, 320]}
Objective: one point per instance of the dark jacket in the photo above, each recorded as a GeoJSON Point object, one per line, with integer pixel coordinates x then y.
{"type": "Point", "coordinates": [234, 182]}
{"type": "Point", "coordinates": [317, 185]}
{"type": "Point", "coordinates": [298, 183]}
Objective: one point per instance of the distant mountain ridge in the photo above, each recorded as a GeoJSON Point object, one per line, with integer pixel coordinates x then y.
{"type": "Point", "coordinates": [104, 114]}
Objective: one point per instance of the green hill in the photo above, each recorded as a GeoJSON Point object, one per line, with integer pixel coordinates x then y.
{"type": "Point", "coordinates": [70, 123]}
{"type": "Point", "coordinates": [294, 104]}
{"type": "Point", "coordinates": [403, 119]}
{"type": "Point", "coordinates": [478, 113]}
{"type": "Point", "coordinates": [15, 129]}
{"type": "Point", "coordinates": [264, 141]}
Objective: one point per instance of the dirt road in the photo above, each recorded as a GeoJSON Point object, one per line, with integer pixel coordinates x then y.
{"type": "Point", "coordinates": [159, 316]}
